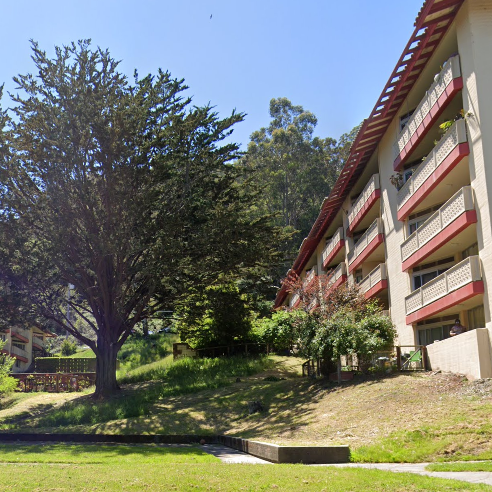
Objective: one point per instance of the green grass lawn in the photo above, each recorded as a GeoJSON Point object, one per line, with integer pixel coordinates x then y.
{"type": "Point", "coordinates": [484, 466]}
{"type": "Point", "coordinates": [106, 467]}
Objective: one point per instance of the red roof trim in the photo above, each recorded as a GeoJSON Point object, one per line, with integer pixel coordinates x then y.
{"type": "Point", "coordinates": [425, 38]}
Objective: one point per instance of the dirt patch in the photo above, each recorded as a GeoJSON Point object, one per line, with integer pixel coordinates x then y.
{"type": "Point", "coordinates": [35, 406]}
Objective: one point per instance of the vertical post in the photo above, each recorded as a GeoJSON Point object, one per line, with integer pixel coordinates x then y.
{"type": "Point", "coordinates": [339, 369]}
{"type": "Point", "coordinates": [424, 357]}
{"type": "Point", "coordinates": [398, 358]}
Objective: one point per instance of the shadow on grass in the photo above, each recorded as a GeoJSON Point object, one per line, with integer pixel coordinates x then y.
{"type": "Point", "coordinates": [101, 453]}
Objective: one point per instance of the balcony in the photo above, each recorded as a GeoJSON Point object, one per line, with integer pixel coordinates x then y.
{"type": "Point", "coordinates": [295, 300]}
{"type": "Point", "coordinates": [38, 343]}
{"type": "Point", "coordinates": [449, 222]}
{"type": "Point", "coordinates": [21, 334]}
{"type": "Point", "coordinates": [367, 247]}
{"type": "Point", "coordinates": [336, 278]}
{"type": "Point", "coordinates": [19, 353]}
{"type": "Point", "coordinates": [313, 305]}
{"type": "Point", "coordinates": [310, 277]}
{"type": "Point", "coordinates": [442, 160]}
{"type": "Point", "coordinates": [333, 250]}
{"type": "Point", "coordinates": [447, 83]}
{"type": "Point", "coordinates": [369, 196]}
{"type": "Point", "coordinates": [375, 282]}
{"type": "Point", "coordinates": [458, 285]}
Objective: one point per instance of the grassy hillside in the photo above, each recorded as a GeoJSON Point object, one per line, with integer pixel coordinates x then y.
{"type": "Point", "coordinates": [401, 417]}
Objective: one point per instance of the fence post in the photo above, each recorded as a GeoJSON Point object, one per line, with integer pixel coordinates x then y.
{"type": "Point", "coordinates": [398, 358]}
{"type": "Point", "coordinates": [424, 357]}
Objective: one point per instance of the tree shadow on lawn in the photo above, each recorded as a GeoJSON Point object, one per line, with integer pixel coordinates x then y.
{"type": "Point", "coordinates": [288, 407]}
{"type": "Point", "coordinates": [89, 453]}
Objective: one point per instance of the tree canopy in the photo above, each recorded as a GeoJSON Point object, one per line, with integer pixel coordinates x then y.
{"type": "Point", "coordinates": [296, 168]}
{"type": "Point", "coordinates": [124, 191]}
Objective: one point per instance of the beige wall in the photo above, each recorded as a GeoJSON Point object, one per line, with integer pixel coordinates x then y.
{"type": "Point", "coordinates": [468, 354]}
{"type": "Point", "coordinates": [474, 33]}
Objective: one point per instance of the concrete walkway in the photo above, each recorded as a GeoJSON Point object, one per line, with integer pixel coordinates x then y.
{"type": "Point", "coordinates": [229, 455]}
{"type": "Point", "coordinates": [419, 468]}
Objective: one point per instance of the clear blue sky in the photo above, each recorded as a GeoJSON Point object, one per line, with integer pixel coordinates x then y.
{"type": "Point", "coordinates": [331, 57]}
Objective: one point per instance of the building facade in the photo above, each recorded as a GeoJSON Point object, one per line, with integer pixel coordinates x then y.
{"type": "Point", "coordinates": [409, 219]}
{"type": "Point", "coordinates": [24, 345]}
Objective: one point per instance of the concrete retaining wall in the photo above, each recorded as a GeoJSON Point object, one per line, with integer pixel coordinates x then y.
{"type": "Point", "coordinates": [468, 354]}
{"type": "Point", "coordinates": [269, 452]}
{"type": "Point", "coordinates": [288, 454]}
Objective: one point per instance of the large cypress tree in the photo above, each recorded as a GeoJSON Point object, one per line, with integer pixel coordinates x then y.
{"type": "Point", "coordinates": [121, 190]}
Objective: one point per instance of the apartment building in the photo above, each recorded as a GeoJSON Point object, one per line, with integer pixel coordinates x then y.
{"type": "Point", "coordinates": [409, 219]}
{"type": "Point", "coordinates": [24, 345]}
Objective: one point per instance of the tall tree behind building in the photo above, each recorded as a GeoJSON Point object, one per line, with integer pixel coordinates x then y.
{"type": "Point", "coordinates": [296, 169]}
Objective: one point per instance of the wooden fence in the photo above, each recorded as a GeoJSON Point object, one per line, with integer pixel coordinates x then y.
{"type": "Point", "coordinates": [54, 382]}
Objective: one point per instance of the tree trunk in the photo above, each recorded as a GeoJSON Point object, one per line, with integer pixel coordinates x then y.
{"type": "Point", "coordinates": [339, 369]}
{"type": "Point", "coordinates": [145, 327]}
{"type": "Point", "coordinates": [106, 383]}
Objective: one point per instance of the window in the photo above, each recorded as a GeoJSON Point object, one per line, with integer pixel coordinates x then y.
{"type": "Point", "coordinates": [417, 219]}
{"type": "Point", "coordinates": [422, 278]}
{"type": "Point", "coordinates": [404, 119]}
{"type": "Point", "coordinates": [426, 336]}
{"type": "Point", "coordinates": [414, 224]}
{"type": "Point", "coordinates": [17, 363]}
{"type": "Point", "coordinates": [407, 174]}
{"type": "Point", "coordinates": [357, 235]}
{"type": "Point", "coordinates": [358, 276]}
{"type": "Point", "coordinates": [425, 273]}
{"type": "Point", "coordinates": [476, 318]}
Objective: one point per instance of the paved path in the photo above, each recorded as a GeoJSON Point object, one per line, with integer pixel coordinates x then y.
{"type": "Point", "coordinates": [419, 468]}
{"type": "Point", "coordinates": [229, 455]}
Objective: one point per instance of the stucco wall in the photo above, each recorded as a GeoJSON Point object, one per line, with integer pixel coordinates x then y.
{"type": "Point", "coordinates": [468, 354]}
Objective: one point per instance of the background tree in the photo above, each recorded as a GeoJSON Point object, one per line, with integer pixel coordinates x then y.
{"type": "Point", "coordinates": [122, 190]}
{"type": "Point", "coordinates": [296, 169]}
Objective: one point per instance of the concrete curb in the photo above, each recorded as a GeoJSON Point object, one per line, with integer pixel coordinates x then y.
{"type": "Point", "coordinates": [265, 451]}
{"type": "Point", "coordinates": [288, 454]}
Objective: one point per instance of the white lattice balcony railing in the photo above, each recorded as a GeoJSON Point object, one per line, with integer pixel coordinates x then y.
{"type": "Point", "coordinates": [454, 136]}
{"type": "Point", "coordinates": [22, 332]}
{"type": "Point", "coordinates": [465, 272]}
{"type": "Point", "coordinates": [374, 229]}
{"type": "Point", "coordinates": [310, 275]}
{"type": "Point", "coordinates": [339, 271]}
{"type": "Point", "coordinates": [294, 300]}
{"type": "Point", "coordinates": [369, 189]}
{"type": "Point", "coordinates": [451, 70]}
{"type": "Point", "coordinates": [459, 203]}
{"type": "Point", "coordinates": [331, 245]}
{"type": "Point", "coordinates": [371, 280]}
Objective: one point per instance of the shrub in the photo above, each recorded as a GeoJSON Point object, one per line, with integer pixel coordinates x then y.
{"type": "Point", "coordinates": [281, 331]}
{"type": "Point", "coordinates": [7, 382]}
{"type": "Point", "coordinates": [68, 348]}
